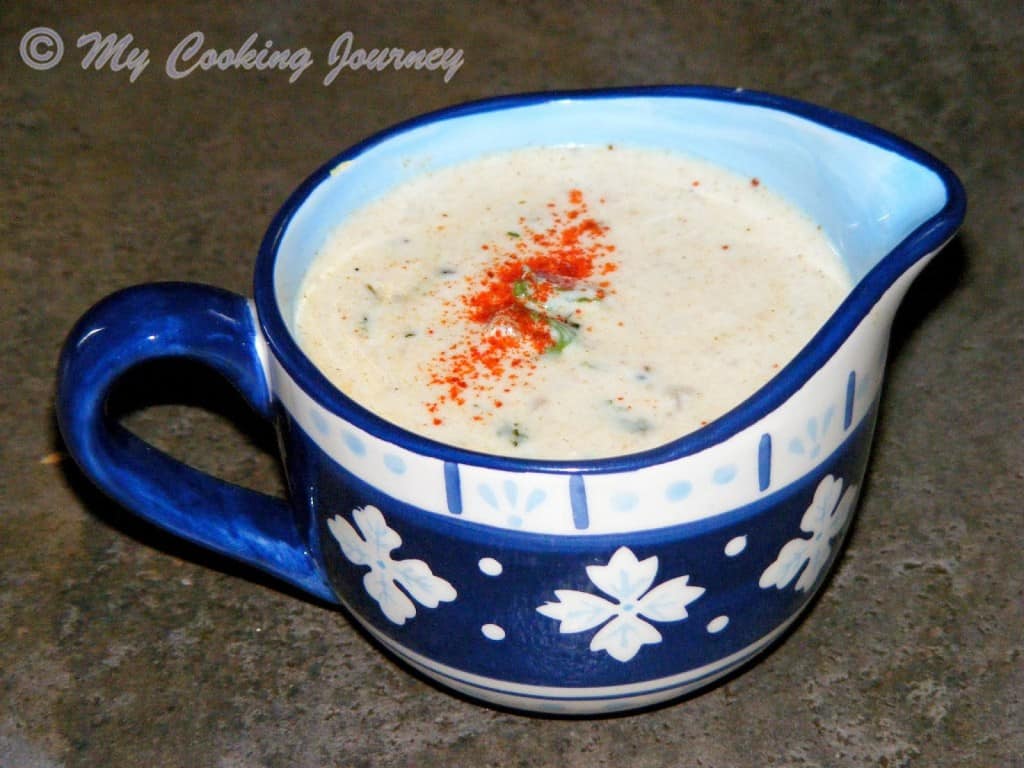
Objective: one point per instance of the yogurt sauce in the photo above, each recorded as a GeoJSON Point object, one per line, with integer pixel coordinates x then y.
{"type": "Point", "coordinates": [566, 303]}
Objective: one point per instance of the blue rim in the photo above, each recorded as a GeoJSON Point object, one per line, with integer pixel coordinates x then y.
{"type": "Point", "coordinates": [929, 236]}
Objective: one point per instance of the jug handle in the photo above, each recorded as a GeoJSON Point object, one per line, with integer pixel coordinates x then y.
{"type": "Point", "coordinates": [217, 328]}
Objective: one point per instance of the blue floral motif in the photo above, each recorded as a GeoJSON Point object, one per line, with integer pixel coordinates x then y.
{"type": "Point", "coordinates": [372, 546]}
{"type": "Point", "coordinates": [624, 501]}
{"type": "Point", "coordinates": [814, 435]}
{"type": "Point", "coordinates": [354, 444]}
{"type": "Point", "coordinates": [627, 580]}
{"type": "Point", "coordinates": [724, 474]}
{"type": "Point", "coordinates": [678, 490]}
{"type": "Point", "coordinates": [319, 422]}
{"type": "Point", "coordinates": [395, 464]}
{"type": "Point", "coordinates": [510, 501]}
{"type": "Point", "coordinates": [824, 520]}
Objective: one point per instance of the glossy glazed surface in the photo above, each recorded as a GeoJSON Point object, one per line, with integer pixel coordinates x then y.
{"type": "Point", "coordinates": [380, 518]}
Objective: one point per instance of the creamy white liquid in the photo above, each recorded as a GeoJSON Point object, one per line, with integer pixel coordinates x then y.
{"type": "Point", "coordinates": [705, 285]}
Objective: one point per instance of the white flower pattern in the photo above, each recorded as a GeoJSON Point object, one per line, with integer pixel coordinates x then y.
{"type": "Point", "coordinates": [387, 577]}
{"type": "Point", "coordinates": [627, 580]}
{"type": "Point", "coordinates": [824, 520]}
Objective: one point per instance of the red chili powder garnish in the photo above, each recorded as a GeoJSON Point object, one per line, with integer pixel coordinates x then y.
{"type": "Point", "coordinates": [501, 334]}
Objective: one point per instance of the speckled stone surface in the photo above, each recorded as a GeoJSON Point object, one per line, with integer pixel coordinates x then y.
{"type": "Point", "coordinates": [122, 647]}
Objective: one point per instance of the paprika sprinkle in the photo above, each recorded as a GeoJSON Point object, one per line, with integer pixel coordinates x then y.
{"type": "Point", "coordinates": [523, 304]}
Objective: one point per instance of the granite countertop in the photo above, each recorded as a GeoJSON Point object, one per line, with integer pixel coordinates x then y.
{"type": "Point", "coordinates": [120, 646]}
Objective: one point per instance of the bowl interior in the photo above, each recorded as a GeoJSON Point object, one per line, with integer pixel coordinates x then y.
{"type": "Point", "coordinates": [866, 196]}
